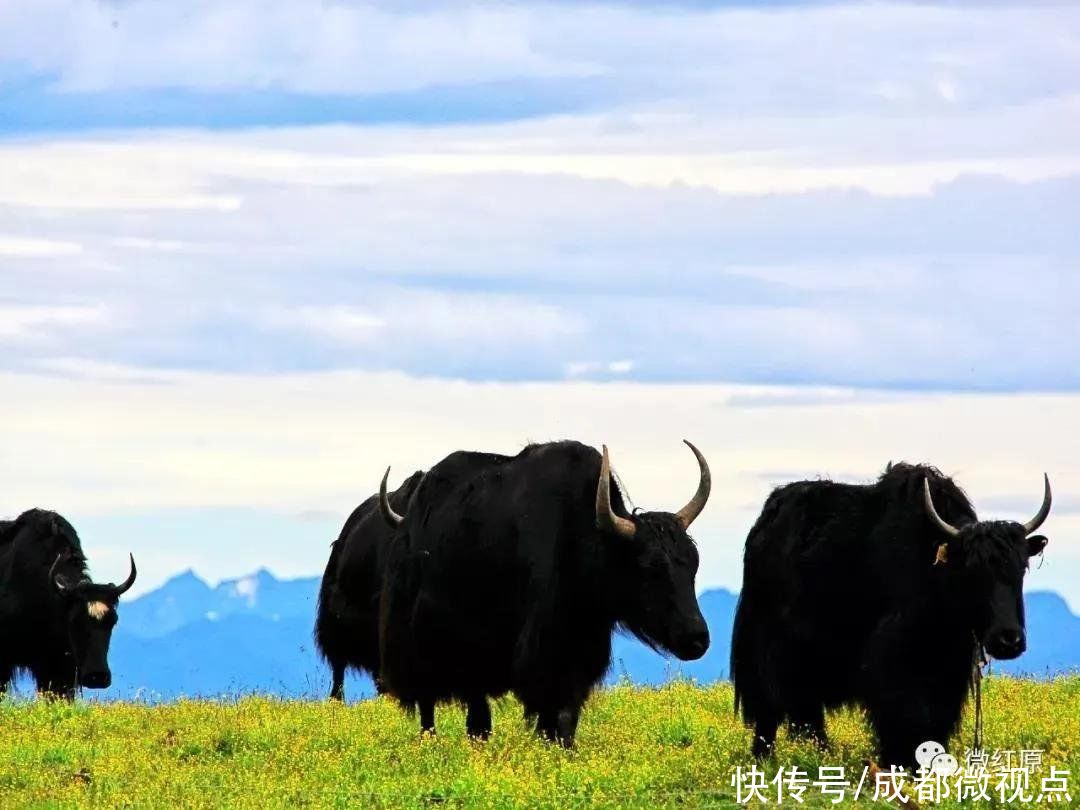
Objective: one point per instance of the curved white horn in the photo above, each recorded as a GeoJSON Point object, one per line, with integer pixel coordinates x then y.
{"type": "Point", "coordinates": [392, 518]}
{"type": "Point", "coordinates": [1044, 510]}
{"type": "Point", "coordinates": [606, 518]}
{"type": "Point", "coordinates": [688, 514]}
{"type": "Point", "coordinates": [949, 529]}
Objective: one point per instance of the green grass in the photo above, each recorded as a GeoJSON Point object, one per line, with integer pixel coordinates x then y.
{"type": "Point", "coordinates": [670, 747]}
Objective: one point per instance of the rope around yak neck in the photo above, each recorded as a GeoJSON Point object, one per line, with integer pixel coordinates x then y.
{"type": "Point", "coordinates": [978, 661]}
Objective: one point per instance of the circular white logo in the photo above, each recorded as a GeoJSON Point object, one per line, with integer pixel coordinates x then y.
{"type": "Point", "coordinates": [944, 765]}
{"type": "Point", "coordinates": [926, 752]}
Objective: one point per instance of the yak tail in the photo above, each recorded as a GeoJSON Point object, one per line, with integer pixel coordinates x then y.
{"type": "Point", "coordinates": [743, 663]}
{"type": "Point", "coordinates": [733, 665]}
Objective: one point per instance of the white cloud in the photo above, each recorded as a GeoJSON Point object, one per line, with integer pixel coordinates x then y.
{"type": "Point", "coordinates": [20, 248]}
{"type": "Point", "coordinates": [33, 323]}
{"type": "Point", "coordinates": [332, 261]}
{"type": "Point", "coordinates": [158, 245]}
{"type": "Point", "coordinates": [305, 46]}
{"type": "Point", "coordinates": [590, 368]}
{"type": "Point", "coordinates": [947, 90]}
{"type": "Point", "coordinates": [339, 323]}
{"type": "Point", "coordinates": [743, 58]}
{"type": "Point", "coordinates": [106, 177]}
{"type": "Point", "coordinates": [425, 318]}
{"type": "Point", "coordinates": [173, 174]}
{"type": "Point", "coordinates": [727, 173]}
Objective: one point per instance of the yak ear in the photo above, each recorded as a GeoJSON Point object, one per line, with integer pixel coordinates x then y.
{"type": "Point", "coordinates": [942, 555]}
{"type": "Point", "coordinates": [62, 585]}
{"type": "Point", "coordinates": [1036, 543]}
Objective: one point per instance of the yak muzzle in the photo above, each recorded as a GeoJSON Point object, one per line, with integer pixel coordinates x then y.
{"type": "Point", "coordinates": [692, 645]}
{"type": "Point", "coordinates": [1006, 644]}
{"type": "Point", "coordinates": [101, 679]}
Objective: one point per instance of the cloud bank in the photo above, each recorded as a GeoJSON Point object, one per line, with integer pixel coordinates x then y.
{"type": "Point", "coordinates": [535, 191]}
{"type": "Point", "coordinates": [202, 464]}
{"type": "Point", "coordinates": [200, 254]}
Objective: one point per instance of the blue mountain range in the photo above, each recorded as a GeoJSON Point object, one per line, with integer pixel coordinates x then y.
{"type": "Point", "coordinates": [254, 635]}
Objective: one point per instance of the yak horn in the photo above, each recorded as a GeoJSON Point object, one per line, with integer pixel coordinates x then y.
{"type": "Point", "coordinates": [392, 518]}
{"type": "Point", "coordinates": [125, 586]}
{"type": "Point", "coordinates": [606, 519]}
{"type": "Point", "coordinates": [949, 529]}
{"type": "Point", "coordinates": [57, 582]}
{"type": "Point", "coordinates": [1044, 510]}
{"type": "Point", "coordinates": [688, 514]}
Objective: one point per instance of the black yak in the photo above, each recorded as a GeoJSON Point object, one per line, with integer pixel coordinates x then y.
{"type": "Point", "coordinates": [875, 595]}
{"type": "Point", "coordinates": [510, 573]}
{"type": "Point", "coordinates": [347, 622]}
{"type": "Point", "coordinates": [54, 622]}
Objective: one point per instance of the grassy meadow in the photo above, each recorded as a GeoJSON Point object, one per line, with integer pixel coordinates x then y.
{"type": "Point", "coordinates": [675, 746]}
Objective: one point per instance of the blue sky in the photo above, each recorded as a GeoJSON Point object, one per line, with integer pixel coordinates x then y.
{"type": "Point", "coordinates": [833, 203]}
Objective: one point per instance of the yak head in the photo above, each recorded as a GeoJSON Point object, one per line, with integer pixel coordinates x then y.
{"type": "Point", "coordinates": [984, 564]}
{"type": "Point", "coordinates": [90, 613]}
{"type": "Point", "coordinates": [658, 563]}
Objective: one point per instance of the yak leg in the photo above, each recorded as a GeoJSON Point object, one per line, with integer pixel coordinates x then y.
{"type": "Point", "coordinates": [764, 735]}
{"type": "Point", "coordinates": [478, 718]}
{"type": "Point", "coordinates": [902, 723]}
{"type": "Point", "coordinates": [427, 716]}
{"type": "Point", "coordinates": [546, 724]}
{"type": "Point", "coordinates": [809, 722]}
{"type": "Point", "coordinates": [52, 684]}
{"type": "Point", "coordinates": [899, 737]}
{"type": "Point", "coordinates": [337, 689]}
{"type": "Point", "coordinates": [566, 725]}
{"type": "Point", "coordinates": [559, 725]}
{"type": "Point", "coordinates": [906, 716]}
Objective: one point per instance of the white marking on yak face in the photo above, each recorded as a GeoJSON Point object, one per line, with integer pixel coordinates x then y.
{"type": "Point", "coordinates": [97, 610]}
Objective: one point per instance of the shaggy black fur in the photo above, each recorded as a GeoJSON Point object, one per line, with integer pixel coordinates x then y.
{"type": "Point", "coordinates": [842, 603]}
{"type": "Point", "coordinates": [49, 633]}
{"type": "Point", "coordinates": [500, 582]}
{"type": "Point", "coordinates": [347, 624]}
